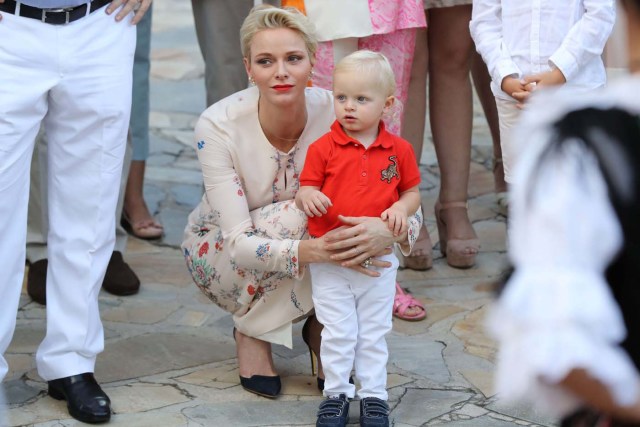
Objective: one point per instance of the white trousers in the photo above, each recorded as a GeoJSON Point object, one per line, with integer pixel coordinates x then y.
{"type": "Point", "coordinates": [38, 223]}
{"type": "Point", "coordinates": [76, 78]}
{"type": "Point", "coordinates": [508, 115]}
{"type": "Point", "coordinates": [356, 313]}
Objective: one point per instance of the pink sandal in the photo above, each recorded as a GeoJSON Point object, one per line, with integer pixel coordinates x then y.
{"type": "Point", "coordinates": [402, 302]}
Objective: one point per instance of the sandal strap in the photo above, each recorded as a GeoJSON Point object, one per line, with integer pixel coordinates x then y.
{"type": "Point", "coordinates": [405, 301]}
{"type": "Point", "coordinates": [449, 205]}
{"type": "Point", "coordinates": [146, 223]}
{"type": "Point", "coordinates": [402, 303]}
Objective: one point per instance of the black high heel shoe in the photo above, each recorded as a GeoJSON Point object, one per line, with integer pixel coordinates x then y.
{"type": "Point", "coordinates": [312, 354]}
{"type": "Point", "coordinates": [262, 385]}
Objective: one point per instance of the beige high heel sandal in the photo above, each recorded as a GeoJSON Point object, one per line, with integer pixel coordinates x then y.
{"type": "Point", "coordinates": [421, 258]}
{"type": "Point", "coordinates": [460, 253]}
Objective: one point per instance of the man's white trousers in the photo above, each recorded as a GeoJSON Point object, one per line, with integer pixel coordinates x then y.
{"type": "Point", "coordinates": [77, 79]}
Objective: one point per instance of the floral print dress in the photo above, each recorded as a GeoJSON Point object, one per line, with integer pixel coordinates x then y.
{"type": "Point", "coordinates": [241, 242]}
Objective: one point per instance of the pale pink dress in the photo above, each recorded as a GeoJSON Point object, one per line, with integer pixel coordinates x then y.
{"type": "Point", "coordinates": [394, 25]}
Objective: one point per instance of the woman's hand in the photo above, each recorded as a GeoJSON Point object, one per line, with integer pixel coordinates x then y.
{"type": "Point", "coordinates": [364, 268]}
{"type": "Point", "coordinates": [316, 250]}
{"type": "Point", "coordinates": [367, 237]}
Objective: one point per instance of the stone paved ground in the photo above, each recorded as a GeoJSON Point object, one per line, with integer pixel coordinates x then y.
{"type": "Point", "coordinates": [169, 358]}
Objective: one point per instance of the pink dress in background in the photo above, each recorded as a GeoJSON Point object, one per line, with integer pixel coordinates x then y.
{"type": "Point", "coordinates": [394, 25]}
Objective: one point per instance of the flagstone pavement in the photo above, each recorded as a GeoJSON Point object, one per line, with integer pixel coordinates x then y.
{"type": "Point", "coordinates": [169, 357]}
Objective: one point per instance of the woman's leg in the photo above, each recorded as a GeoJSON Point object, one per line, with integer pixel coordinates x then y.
{"type": "Point", "coordinates": [254, 356]}
{"type": "Point", "coordinates": [450, 110]}
{"type": "Point", "coordinates": [264, 314]}
{"type": "Point", "coordinates": [416, 108]}
{"type": "Point", "coordinates": [135, 208]}
{"type": "Point", "coordinates": [415, 112]}
{"type": "Point", "coordinates": [482, 83]}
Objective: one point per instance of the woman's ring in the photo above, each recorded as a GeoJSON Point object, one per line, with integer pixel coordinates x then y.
{"type": "Point", "coordinates": [367, 263]}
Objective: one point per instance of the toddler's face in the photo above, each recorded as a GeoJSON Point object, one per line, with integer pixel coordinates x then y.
{"type": "Point", "coordinates": [359, 102]}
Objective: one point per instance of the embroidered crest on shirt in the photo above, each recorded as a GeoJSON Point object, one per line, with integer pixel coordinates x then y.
{"type": "Point", "coordinates": [391, 171]}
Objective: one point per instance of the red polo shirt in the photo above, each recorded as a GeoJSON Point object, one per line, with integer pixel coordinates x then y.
{"type": "Point", "coordinates": [359, 181]}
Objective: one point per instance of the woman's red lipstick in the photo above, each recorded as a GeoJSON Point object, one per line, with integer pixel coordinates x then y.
{"type": "Point", "coordinates": [282, 88]}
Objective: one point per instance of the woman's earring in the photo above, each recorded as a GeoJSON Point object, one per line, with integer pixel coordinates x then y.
{"type": "Point", "coordinates": [311, 74]}
{"type": "Point", "coordinates": [251, 81]}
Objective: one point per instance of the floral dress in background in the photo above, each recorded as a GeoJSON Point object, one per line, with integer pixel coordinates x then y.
{"type": "Point", "coordinates": [384, 26]}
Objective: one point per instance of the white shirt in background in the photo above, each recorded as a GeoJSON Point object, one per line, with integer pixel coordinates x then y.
{"type": "Point", "coordinates": [523, 37]}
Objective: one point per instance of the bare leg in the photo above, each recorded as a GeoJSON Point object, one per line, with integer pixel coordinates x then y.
{"type": "Point", "coordinates": [482, 83]}
{"type": "Point", "coordinates": [416, 109]}
{"type": "Point", "coordinates": [254, 356]}
{"type": "Point", "coordinates": [450, 111]}
{"type": "Point", "coordinates": [421, 257]}
{"type": "Point", "coordinates": [135, 208]}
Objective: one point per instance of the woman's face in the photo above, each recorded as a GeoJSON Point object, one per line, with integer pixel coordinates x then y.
{"type": "Point", "coordinates": [280, 65]}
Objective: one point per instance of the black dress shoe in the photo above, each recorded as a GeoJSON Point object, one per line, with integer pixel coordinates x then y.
{"type": "Point", "coordinates": [333, 412]}
{"type": "Point", "coordinates": [37, 281]}
{"type": "Point", "coordinates": [86, 401]}
{"type": "Point", "coordinates": [374, 412]}
{"type": "Point", "coordinates": [120, 278]}
{"type": "Point", "coordinates": [262, 385]}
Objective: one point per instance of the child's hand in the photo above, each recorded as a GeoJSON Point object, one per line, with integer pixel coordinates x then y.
{"type": "Point", "coordinates": [512, 86]}
{"type": "Point", "coordinates": [396, 220]}
{"type": "Point", "coordinates": [548, 78]}
{"type": "Point", "coordinates": [314, 203]}
{"type": "Point", "coordinates": [534, 81]}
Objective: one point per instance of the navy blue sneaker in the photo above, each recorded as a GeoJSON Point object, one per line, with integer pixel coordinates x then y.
{"type": "Point", "coordinates": [333, 412]}
{"type": "Point", "coordinates": [374, 412]}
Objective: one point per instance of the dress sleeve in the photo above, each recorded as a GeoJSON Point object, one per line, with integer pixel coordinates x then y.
{"type": "Point", "coordinates": [410, 172]}
{"type": "Point", "coordinates": [557, 312]}
{"type": "Point", "coordinates": [248, 246]}
{"type": "Point", "coordinates": [586, 39]}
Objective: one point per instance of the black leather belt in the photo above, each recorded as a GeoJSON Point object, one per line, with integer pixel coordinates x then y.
{"type": "Point", "coordinates": [54, 16]}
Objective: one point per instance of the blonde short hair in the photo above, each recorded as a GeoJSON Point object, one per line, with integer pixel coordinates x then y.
{"type": "Point", "coordinates": [373, 64]}
{"type": "Point", "coordinates": [264, 17]}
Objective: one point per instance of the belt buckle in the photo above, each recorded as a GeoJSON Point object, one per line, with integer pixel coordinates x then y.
{"type": "Point", "coordinates": [65, 10]}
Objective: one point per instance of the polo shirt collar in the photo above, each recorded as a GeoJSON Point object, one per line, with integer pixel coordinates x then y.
{"type": "Point", "coordinates": [341, 137]}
